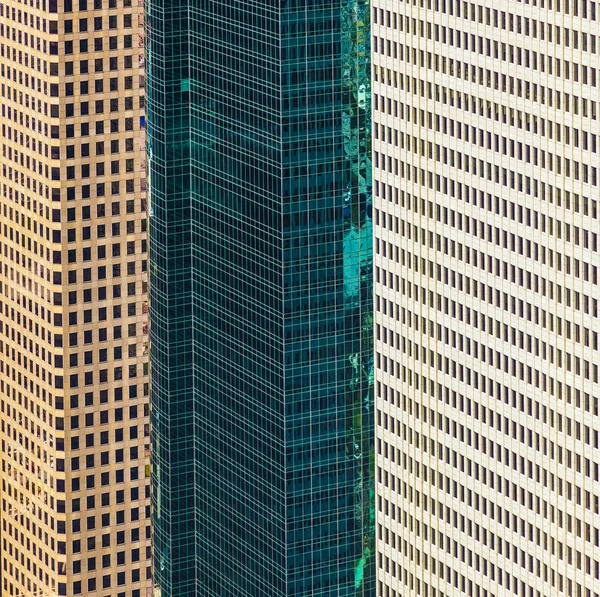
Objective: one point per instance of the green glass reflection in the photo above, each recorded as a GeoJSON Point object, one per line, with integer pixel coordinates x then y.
{"type": "Point", "coordinates": [261, 306]}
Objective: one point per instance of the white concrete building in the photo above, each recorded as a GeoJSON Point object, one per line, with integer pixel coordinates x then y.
{"type": "Point", "coordinates": [486, 275]}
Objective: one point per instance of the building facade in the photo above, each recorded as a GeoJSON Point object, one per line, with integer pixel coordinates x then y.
{"type": "Point", "coordinates": [260, 298]}
{"type": "Point", "coordinates": [74, 439]}
{"type": "Point", "coordinates": [485, 139]}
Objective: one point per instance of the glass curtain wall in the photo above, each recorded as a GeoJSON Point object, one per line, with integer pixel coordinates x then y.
{"type": "Point", "coordinates": [261, 308]}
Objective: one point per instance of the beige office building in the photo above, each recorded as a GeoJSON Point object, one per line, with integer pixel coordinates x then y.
{"type": "Point", "coordinates": [486, 238]}
{"type": "Point", "coordinates": [73, 321]}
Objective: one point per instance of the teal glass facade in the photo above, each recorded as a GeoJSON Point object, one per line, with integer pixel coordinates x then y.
{"type": "Point", "coordinates": [260, 297]}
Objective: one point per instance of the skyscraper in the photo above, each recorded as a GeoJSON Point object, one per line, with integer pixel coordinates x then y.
{"type": "Point", "coordinates": [486, 289]}
{"type": "Point", "coordinates": [260, 289]}
{"type": "Point", "coordinates": [73, 366]}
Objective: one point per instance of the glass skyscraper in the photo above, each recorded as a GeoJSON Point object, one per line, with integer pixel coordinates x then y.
{"type": "Point", "coordinates": [260, 297]}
